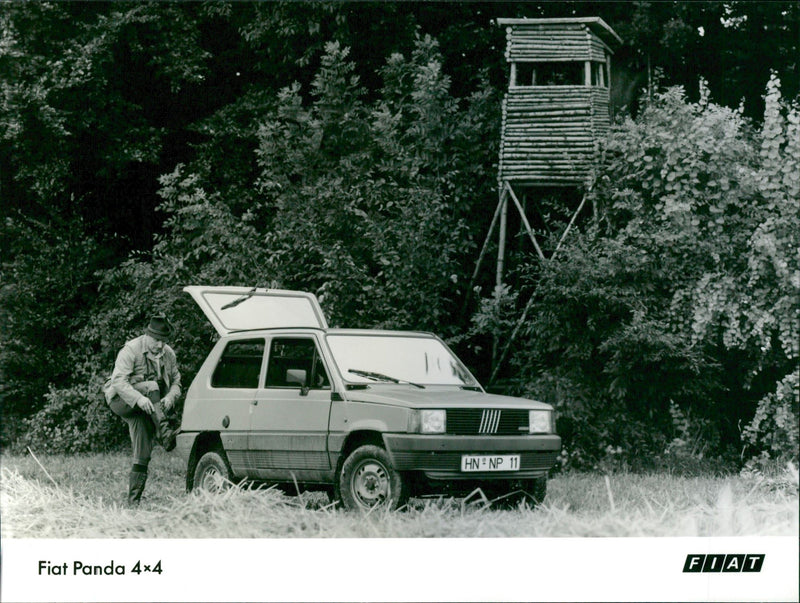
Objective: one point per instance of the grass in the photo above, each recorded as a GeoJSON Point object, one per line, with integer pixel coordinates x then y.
{"type": "Point", "coordinates": [81, 497]}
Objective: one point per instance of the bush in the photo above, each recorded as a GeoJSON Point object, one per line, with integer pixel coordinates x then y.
{"type": "Point", "coordinates": [664, 326]}
{"type": "Point", "coordinates": [75, 419]}
{"type": "Point", "coordinates": [774, 429]}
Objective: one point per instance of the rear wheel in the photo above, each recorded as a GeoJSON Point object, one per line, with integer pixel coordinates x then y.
{"type": "Point", "coordinates": [213, 473]}
{"type": "Point", "coordinates": [368, 480]}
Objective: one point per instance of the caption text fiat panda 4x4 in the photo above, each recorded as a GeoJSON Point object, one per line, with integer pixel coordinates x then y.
{"type": "Point", "coordinates": [371, 416]}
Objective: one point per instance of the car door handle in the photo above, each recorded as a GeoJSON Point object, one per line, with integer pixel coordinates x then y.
{"type": "Point", "coordinates": [255, 402]}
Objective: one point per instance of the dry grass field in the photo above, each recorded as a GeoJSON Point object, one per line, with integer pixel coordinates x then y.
{"type": "Point", "coordinates": [81, 497]}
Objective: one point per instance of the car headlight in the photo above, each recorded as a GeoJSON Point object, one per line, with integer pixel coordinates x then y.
{"type": "Point", "coordinates": [433, 421]}
{"type": "Point", "coordinates": [540, 421]}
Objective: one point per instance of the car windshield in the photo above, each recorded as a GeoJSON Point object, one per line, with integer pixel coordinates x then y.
{"type": "Point", "coordinates": [397, 358]}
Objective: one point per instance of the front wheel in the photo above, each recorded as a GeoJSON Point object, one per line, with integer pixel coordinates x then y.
{"type": "Point", "coordinates": [213, 473]}
{"type": "Point", "coordinates": [368, 480]}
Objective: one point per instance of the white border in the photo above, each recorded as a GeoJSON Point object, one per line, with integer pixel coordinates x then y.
{"type": "Point", "coordinates": [464, 569]}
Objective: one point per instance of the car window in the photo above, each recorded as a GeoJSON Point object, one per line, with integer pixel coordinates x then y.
{"type": "Point", "coordinates": [295, 362]}
{"type": "Point", "coordinates": [416, 359]}
{"type": "Point", "coordinates": [239, 365]}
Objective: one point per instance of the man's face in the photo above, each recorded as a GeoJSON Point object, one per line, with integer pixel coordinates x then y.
{"type": "Point", "coordinates": [153, 345]}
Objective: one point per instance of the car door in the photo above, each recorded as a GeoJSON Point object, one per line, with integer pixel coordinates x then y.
{"type": "Point", "coordinates": [231, 391]}
{"type": "Point", "coordinates": [289, 420]}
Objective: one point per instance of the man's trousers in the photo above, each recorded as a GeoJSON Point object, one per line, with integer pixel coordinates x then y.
{"type": "Point", "coordinates": [144, 429]}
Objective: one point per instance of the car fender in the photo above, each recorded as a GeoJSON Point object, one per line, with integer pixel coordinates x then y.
{"type": "Point", "coordinates": [350, 416]}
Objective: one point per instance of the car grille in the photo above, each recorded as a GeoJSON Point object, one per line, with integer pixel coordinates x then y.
{"type": "Point", "coordinates": [487, 421]}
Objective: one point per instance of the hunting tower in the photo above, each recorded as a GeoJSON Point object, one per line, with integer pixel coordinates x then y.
{"type": "Point", "coordinates": [555, 112]}
{"type": "Point", "coordinates": [557, 104]}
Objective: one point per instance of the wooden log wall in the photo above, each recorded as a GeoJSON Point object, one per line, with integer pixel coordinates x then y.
{"type": "Point", "coordinates": [550, 134]}
{"type": "Point", "coordinates": [567, 42]}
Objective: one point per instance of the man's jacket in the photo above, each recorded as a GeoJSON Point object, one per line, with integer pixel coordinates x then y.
{"type": "Point", "coordinates": [134, 365]}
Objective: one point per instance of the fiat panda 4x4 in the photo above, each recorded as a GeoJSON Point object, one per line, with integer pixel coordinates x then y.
{"type": "Point", "coordinates": [371, 416]}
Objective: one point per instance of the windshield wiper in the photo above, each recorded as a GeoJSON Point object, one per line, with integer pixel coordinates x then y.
{"type": "Point", "coordinates": [382, 377]}
{"type": "Point", "coordinates": [241, 299]}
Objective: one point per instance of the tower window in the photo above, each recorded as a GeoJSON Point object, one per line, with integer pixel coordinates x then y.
{"type": "Point", "coordinates": [599, 75]}
{"type": "Point", "coordinates": [562, 73]}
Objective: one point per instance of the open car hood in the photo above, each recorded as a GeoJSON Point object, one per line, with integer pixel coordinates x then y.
{"type": "Point", "coordinates": [232, 309]}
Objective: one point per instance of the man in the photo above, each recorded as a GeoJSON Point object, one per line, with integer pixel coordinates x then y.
{"type": "Point", "coordinates": [144, 385]}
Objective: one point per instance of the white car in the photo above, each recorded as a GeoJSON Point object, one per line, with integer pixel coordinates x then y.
{"type": "Point", "coordinates": [371, 416]}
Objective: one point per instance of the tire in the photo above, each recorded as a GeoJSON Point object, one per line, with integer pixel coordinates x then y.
{"type": "Point", "coordinates": [369, 481]}
{"type": "Point", "coordinates": [213, 473]}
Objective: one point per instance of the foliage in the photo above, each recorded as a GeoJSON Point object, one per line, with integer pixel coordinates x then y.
{"type": "Point", "coordinates": [353, 201]}
{"type": "Point", "coordinates": [774, 426]}
{"type": "Point", "coordinates": [76, 130]}
{"type": "Point", "coordinates": [45, 288]}
{"type": "Point", "coordinates": [366, 195]}
{"type": "Point", "coordinates": [340, 185]}
{"type": "Point", "coordinates": [596, 351]}
{"type": "Point", "coordinates": [75, 419]}
{"type": "Point", "coordinates": [75, 136]}
{"type": "Point", "coordinates": [340, 148]}
{"type": "Point", "coordinates": [733, 45]}
{"type": "Point", "coordinates": [757, 309]}
{"type": "Point", "coordinates": [680, 302]}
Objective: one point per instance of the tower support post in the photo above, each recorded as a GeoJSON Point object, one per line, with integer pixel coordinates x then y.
{"type": "Point", "coordinates": [501, 247]}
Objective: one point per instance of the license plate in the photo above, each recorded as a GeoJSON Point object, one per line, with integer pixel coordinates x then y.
{"type": "Point", "coordinates": [483, 462]}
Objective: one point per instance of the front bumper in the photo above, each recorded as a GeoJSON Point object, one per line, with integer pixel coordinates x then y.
{"type": "Point", "coordinates": [439, 456]}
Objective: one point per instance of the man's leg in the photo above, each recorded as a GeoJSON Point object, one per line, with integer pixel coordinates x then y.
{"type": "Point", "coordinates": [141, 431]}
{"type": "Point", "coordinates": [165, 435]}
{"type": "Point", "coordinates": [137, 479]}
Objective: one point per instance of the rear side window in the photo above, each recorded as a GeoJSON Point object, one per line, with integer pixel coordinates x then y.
{"type": "Point", "coordinates": [240, 365]}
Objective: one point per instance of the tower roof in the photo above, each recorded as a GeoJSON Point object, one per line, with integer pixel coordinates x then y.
{"type": "Point", "coordinates": [595, 24]}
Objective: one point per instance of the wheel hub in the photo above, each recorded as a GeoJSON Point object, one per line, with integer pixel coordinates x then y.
{"type": "Point", "coordinates": [211, 479]}
{"type": "Point", "coordinates": [371, 483]}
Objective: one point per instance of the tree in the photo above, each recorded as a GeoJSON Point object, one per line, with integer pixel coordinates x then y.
{"type": "Point", "coordinates": [757, 309]}
{"type": "Point", "coordinates": [45, 293]}
{"type": "Point", "coordinates": [79, 94]}
{"type": "Point", "coordinates": [150, 145]}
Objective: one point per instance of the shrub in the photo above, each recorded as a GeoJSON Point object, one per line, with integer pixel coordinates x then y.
{"type": "Point", "coordinates": [75, 419]}
{"type": "Point", "coordinates": [668, 321]}
{"type": "Point", "coordinates": [774, 428]}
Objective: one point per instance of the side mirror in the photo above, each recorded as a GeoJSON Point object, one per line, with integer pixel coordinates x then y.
{"type": "Point", "coordinates": [296, 376]}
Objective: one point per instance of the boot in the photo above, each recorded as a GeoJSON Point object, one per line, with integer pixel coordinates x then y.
{"type": "Point", "coordinates": [136, 482]}
{"type": "Point", "coordinates": [165, 435]}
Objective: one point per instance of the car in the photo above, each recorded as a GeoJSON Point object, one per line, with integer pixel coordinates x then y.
{"type": "Point", "coordinates": [373, 417]}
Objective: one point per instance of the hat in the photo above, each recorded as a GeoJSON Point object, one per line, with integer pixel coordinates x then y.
{"type": "Point", "coordinates": [159, 327]}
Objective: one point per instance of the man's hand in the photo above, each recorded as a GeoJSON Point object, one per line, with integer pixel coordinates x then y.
{"type": "Point", "coordinates": [146, 405]}
{"type": "Point", "coordinates": [168, 401]}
